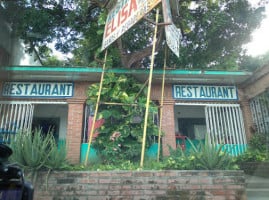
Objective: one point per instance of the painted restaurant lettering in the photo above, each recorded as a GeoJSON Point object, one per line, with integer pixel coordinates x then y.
{"type": "Point", "coordinates": [124, 15]}
{"type": "Point", "coordinates": [206, 92]}
{"type": "Point", "coordinates": [38, 89]}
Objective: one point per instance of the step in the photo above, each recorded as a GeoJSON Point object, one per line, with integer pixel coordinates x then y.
{"type": "Point", "coordinates": [257, 194]}
{"type": "Point", "coordinates": [257, 188]}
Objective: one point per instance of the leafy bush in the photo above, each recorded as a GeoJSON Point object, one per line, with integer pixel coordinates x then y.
{"type": "Point", "coordinates": [258, 142]}
{"type": "Point", "coordinates": [256, 152]}
{"type": "Point", "coordinates": [178, 160]}
{"type": "Point", "coordinates": [252, 155]}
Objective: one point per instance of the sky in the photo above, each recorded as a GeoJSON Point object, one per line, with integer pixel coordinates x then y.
{"type": "Point", "coordinates": [260, 37]}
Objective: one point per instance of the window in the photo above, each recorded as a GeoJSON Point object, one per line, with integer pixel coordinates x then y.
{"type": "Point", "coordinates": [13, 118]}
{"type": "Point", "coordinates": [260, 112]}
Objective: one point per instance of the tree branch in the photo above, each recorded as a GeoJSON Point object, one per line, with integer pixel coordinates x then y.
{"type": "Point", "coordinates": [128, 60]}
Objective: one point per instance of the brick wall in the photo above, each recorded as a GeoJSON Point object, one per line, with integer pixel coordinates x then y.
{"type": "Point", "coordinates": [168, 127]}
{"type": "Point", "coordinates": [75, 121]}
{"type": "Point", "coordinates": [74, 130]}
{"type": "Point", "coordinates": [141, 185]}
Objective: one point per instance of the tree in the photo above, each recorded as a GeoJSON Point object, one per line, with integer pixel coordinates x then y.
{"type": "Point", "coordinates": [213, 32]}
{"type": "Point", "coordinates": [252, 63]}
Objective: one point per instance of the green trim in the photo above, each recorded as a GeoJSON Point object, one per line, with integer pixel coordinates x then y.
{"type": "Point", "coordinates": [227, 73]}
{"type": "Point", "coordinates": [121, 70]}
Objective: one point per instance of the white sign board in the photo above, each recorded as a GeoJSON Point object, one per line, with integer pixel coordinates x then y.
{"type": "Point", "coordinates": [38, 89]}
{"type": "Point", "coordinates": [123, 16]}
{"type": "Point", "coordinates": [204, 92]}
{"type": "Point", "coordinates": [172, 33]}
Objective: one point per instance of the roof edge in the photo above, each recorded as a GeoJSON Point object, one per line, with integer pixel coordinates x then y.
{"type": "Point", "coordinates": [122, 70]}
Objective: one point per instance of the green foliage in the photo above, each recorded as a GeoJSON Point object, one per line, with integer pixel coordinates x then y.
{"type": "Point", "coordinates": [35, 151]}
{"type": "Point", "coordinates": [253, 155]}
{"type": "Point", "coordinates": [57, 158]}
{"type": "Point", "coordinates": [256, 151]}
{"type": "Point", "coordinates": [250, 63]}
{"type": "Point", "coordinates": [211, 156]}
{"type": "Point", "coordinates": [206, 156]}
{"type": "Point", "coordinates": [120, 138]}
{"type": "Point", "coordinates": [258, 142]}
{"type": "Point", "coordinates": [212, 32]}
{"type": "Point", "coordinates": [179, 160]}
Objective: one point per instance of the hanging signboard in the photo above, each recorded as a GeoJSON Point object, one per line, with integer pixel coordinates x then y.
{"type": "Point", "coordinates": [123, 16]}
{"type": "Point", "coordinates": [38, 89]}
{"type": "Point", "coordinates": [205, 92]}
{"type": "Point", "coordinates": [173, 35]}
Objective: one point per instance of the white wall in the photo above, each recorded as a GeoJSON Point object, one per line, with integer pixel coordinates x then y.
{"type": "Point", "coordinates": [15, 47]}
{"type": "Point", "coordinates": [19, 56]}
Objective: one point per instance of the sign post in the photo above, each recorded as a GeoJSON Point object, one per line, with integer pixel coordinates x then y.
{"type": "Point", "coordinates": [149, 90]}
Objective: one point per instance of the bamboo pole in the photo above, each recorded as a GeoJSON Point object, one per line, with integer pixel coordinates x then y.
{"type": "Point", "coordinates": [118, 104]}
{"type": "Point", "coordinates": [161, 107]}
{"type": "Point", "coordinates": [149, 91]}
{"type": "Point", "coordinates": [96, 109]}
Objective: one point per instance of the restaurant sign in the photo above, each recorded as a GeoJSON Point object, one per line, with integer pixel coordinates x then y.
{"type": "Point", "coordinates": [205, 92]}
{"type": "Point", "coordinates": [38, 89]}
{"type": "Point", "coordinates": [123, 16]}
{"type": "Point", "coordinates": [172, 33]}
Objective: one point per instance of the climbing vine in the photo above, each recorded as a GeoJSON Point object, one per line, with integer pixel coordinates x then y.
{"type": "Point", "coordinates": [122, 107]}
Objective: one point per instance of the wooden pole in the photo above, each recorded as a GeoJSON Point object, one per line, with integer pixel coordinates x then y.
{"type": "Point", "coordinates": [118, 104]}
{"type": "Point", "coordinates": [161, 106]}
{"type": "Point", "coordinates": [96, 109]}
{"type": "Point", "coordinates": [149, 91]}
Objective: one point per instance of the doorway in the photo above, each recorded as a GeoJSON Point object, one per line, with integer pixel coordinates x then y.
{"type": "Point", "coordinates": [51, 118]}
{"type": "Point", "coordinates": [221, 123]}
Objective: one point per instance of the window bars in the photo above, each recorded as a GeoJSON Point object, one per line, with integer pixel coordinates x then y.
{"type": "Point", "coordinates": [260, 112]}
{"type": "Point", "coordinates": [225, 126]}
{"type": "Point", "coordinates": [14, 117]}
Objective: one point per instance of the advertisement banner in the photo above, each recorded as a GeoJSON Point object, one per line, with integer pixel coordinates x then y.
{"type": "Point", "coordinates": [123, 16]}
{"type": "Point", "coordinates": [172, 33]}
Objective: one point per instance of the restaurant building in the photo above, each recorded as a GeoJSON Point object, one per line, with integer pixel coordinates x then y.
{"type": "Point", "coordinates": [225, 106]}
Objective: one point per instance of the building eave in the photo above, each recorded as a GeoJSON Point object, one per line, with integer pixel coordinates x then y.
{"type": "Point", "coordinates": [175, 76]}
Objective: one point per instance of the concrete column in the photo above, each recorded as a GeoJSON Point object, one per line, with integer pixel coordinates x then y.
{"type": "Point", "coordinates": [247, 115]}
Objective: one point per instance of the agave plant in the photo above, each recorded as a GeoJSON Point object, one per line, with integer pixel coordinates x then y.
{"type": "Point", "coordinates": [35, 150]}
{"type": "Point", "coordinates": [57, 158]}
{"type": "Point", "coordinates": [211, 156]}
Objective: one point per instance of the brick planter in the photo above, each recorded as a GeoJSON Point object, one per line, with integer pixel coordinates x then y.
{"type": "Point", "coordinates": [141, 185]}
